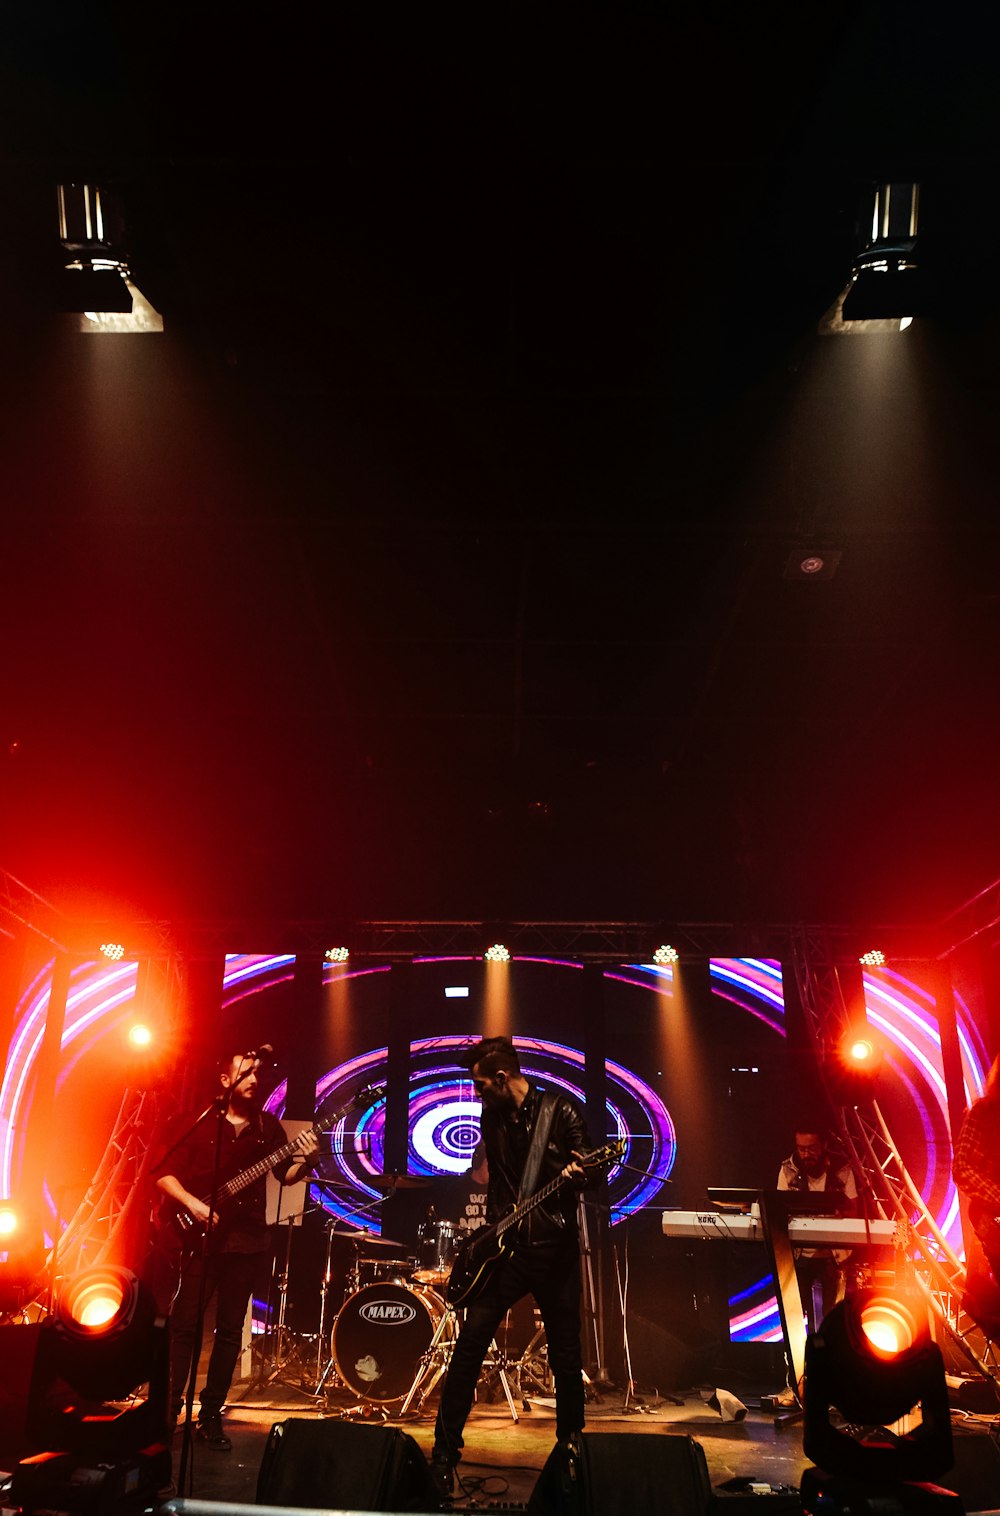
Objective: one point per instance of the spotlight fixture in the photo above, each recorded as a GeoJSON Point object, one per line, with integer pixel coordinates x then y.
{"type": "Point", "coordinates": [873, 959]}
{"type": "Point", "coordinates": [104, 1339]}
{"type": "Point", "coordinates": [140, 1036]}
{"type": "Point", "coordinates": [873, 1361]}
{"type": "Point", "coordinates": [95, 281]}
{"type": "Point", "coordinates": [337, 954]}
{"type": "Point", "coordinates": [113, 950]}
{"type": "Point", "coordinates": [666, 954]}
{"type": "Point", "coordinates": [8, 1221]}
{"type": "Point", "coordinates": [889, 279]}
{"type": "Point", "coordinates": [497, 954]}
{"type": "Point", "coordinates": [862, 1052]}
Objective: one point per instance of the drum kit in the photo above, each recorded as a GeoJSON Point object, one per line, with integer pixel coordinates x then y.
{"type": "Point", "coordinates": [391, 1340]}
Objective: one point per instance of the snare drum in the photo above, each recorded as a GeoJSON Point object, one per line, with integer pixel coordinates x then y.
{"type": "Point", "coordinates": [436, 1245]}
{"type": "Point", "coordinates": [382, 1271]}
{"type": "Point", "coordinates": [381, 1334]}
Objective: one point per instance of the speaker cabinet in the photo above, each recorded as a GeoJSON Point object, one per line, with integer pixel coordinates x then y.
{"type": "Point", "coordinates": [623, 1473]}
{"type": "Point", "coordinates": [336, 1465]}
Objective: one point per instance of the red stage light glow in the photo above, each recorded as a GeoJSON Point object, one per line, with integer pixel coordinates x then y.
{"type": "Point", "coordinates": [8, 1220]}
{"type": "Point", "coordinates": [140, 1036]}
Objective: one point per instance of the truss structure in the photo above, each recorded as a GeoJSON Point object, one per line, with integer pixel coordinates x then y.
{"type": "Point", "coordinates": [884, 1183]}
{"type": "Point", "coordinates": [399, 941]}
{"type": "Point", "coordinates": [112, 1221]}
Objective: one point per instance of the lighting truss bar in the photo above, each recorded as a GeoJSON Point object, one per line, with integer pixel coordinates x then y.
{"type": "Point", "coordinates": [576, 941]}
{"type": "Point", "coordinates": [972, 919]}
{"type": "Point", "coordinates": [23, 908]}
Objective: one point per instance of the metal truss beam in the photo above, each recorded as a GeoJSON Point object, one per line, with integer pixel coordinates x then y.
{"type": "Point", "coordinates": [22, 909]}
{"type": "Point", "coordinates": [392, 941]}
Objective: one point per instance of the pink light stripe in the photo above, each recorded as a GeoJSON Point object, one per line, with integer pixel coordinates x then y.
{"type": "Point", "coordinates": [902, 1041]}
{"type": "Point", "coordinates": [754, 986]}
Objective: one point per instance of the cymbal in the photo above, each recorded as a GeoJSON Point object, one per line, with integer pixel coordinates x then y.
{"type": "Point", "coordinates": [399, 1181]}
{"type": "Point", "coordinates": [367, 1239]}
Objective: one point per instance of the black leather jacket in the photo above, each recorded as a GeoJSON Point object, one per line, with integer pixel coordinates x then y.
{"type": "Point", "coordinates": [556, 1217]}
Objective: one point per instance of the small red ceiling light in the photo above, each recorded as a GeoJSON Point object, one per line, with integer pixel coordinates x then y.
{"type": "Point", "coordinates": [113, 950]}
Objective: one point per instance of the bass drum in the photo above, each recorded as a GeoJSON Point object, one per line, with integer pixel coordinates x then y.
{"type": "Point", "coordinates": [380, 1335]}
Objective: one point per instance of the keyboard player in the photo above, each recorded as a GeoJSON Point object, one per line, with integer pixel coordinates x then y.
{"type": "Point", "coordinates": [819, 1271]}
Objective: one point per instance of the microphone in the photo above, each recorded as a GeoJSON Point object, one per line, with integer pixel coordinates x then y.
{"type": "Point", "coordinates": [260, 1054]}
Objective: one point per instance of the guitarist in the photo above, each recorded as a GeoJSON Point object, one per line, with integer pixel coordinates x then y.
{"type": "Point", "coordinates": [545, 1258]}
{"type": "Point", "coordinates": [239, 1241]}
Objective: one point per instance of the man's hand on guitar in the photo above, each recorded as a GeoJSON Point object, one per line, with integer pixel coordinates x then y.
{"type": "Point", "coordinates": [199, 1210]}
{"type": "Point", "coordinates": [575, 1171]}
{"type": "Point", "coordinates": [304, 1150]}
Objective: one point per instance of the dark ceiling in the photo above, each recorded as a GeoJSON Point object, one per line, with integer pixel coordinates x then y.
{"type": "Point", "coordinates": [433, 560]}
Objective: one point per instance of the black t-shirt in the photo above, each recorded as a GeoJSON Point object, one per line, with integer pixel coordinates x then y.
{"type": "Point", "coordinates": [243, 1217]}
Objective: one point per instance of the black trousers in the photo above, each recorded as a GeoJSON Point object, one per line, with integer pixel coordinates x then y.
{"type": "Point", "coordinates": [550, 1272]}
{"type": "Point", "coordinates": [230, 1277]}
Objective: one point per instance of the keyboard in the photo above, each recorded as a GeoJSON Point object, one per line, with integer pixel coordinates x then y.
{"type": "Point", "coordinates": [803, 1231]}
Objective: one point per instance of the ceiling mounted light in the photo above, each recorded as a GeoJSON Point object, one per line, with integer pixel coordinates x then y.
{"type": "Point", "coordinates": [873, 959]}
{"type": "Point", "coordinates": [95, 281]}
{"type": "Point", "coordinates": [666, 954]}
{"type": "Point", "coordinates": [888, 280]}
{"type": "Point", "coordinates": [497, 954]}
{"type": "Point", "coordinates": [337, 954]}
{"type": "Point", "coordinates": [113, 950]}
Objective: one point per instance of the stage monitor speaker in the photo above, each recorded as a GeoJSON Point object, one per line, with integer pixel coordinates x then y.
{"type": "Point", "coordinates": [18, 1350]}
{"type": "Point", "coordinates": [976, 1475]}
{"type": "Point", "coordinates": [340, 1466]}
{"type": "Point", "coordinates": [623, 1474]}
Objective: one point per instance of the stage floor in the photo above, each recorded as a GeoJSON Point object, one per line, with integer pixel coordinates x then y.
{"type": "Point", "coordinates": [506, 1456]}
{"type": "Point", "coordinates": [502, 1460]}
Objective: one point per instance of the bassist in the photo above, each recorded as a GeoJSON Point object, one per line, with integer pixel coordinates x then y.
{"type": "Point", "coordinates": [544, 1260]}
{"type": "Point", "coordinates": [239, 1242]}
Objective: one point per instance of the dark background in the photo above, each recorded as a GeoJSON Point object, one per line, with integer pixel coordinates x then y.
{"type": "Point", "coordinates": [431, 563]}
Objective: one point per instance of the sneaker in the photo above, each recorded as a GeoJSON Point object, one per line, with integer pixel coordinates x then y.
{"type": "Point", "coordinates": [210, 1432]}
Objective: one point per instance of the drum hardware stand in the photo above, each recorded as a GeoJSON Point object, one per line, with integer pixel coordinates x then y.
{"type": "Point", "coordinates": [327, 1370]}
{"type": "Point", "coordinates": [524, 1372]}
{"type": "Point", "coordinates": [438, 1357]}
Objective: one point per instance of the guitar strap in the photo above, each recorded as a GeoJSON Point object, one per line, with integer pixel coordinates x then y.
{"type": "Point", "coordinates": [539, 1142]}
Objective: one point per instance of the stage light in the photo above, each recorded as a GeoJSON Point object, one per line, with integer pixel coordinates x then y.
{"type": "Point", "coordinates": [873, 1362]}
{"type": "Point", "coordinates": [103, 1318]}
{"type": "Point", "coordinates": [113, 950]}
{"type": "Point", "coordinates": [140, 1036]}
{"type": "Point", "coordinates": [8, 1220]}
{"type": "Point", "coordinates": [666, 954]}
{"type": "Point", "coordinates": [873, 959]}
{"type": "Point", "coordinates": [337, 954]}
{"type": "Point", "coordinates": [95, 282]}
{"type": "Point", "coordinates": [861, 1051]}
{"type": "Point", "coordinates": [102, 1343]}
{"type": "Point", "coordinates": [497, 954]}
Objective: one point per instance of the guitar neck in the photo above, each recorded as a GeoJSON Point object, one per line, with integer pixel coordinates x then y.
{"type": "Point", "coordinates": [521, 1210]}
{"type": "Point", "coordinates": [264, 1165]}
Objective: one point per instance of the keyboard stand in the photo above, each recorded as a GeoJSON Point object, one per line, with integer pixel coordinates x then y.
{"type": "Point", "coordinates": [776, 1208]}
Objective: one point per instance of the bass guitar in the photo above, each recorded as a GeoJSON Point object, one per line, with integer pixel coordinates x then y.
{"type": "Point", "coordinates": [479, 1254]}
{"type": "Point", "coordinates": [192, 1231]}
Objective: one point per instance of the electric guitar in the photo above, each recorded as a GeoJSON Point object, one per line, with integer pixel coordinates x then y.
{"type": "Point", "coordinates": [479, 1254]}
{"type": "Point", "coordinates": [192, 1231]}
